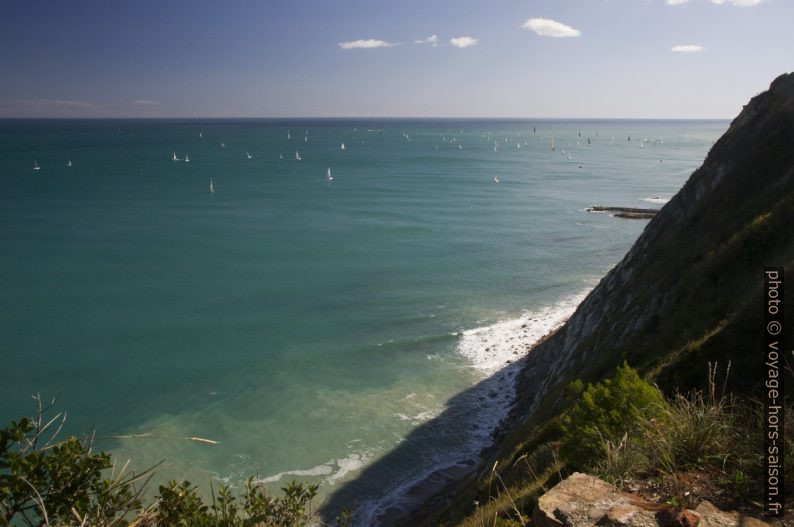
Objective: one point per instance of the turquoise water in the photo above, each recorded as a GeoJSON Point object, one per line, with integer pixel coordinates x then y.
{"type": "Point", "coordinates": [307, 325]}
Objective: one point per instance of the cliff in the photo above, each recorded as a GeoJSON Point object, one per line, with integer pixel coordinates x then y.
{"type": "Point", "coordinates": [685, 293]}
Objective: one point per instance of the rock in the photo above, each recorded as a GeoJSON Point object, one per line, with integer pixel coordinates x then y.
{"type": "Point", "coordinates": [714, 517]}
{"type": "Point", "coordinates": [617, 515]}
{"type": "Point", "coordinates": [674, 518]}
{"type": "Point", "coordinates": [626, 212]}
{"type": "Point", "coordinates": [586, 501]}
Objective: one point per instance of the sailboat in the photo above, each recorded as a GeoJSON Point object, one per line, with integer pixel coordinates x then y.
{"type": "Point", "coordinates": [36, 166]}
{"type": "Point", "coordinates": [342, 147]}
{"type": "Point", "coordinates": [187, 159]}
{"type": "Point", "coordinates": [223, 145]}
{"type": "Point", "coordinates": [212, 187]}
{"type": "Point", "coordinates": [297, 156]}
{"type": "Point", "coordinates": [173, 157]}
{"type": "Point", "coordinates": [201, 135]}
{"type": "Point", "coordinates": [289, 137]}
{"type": "Point", "coordinates": [496, 179]}
{"type": "Point", "coordinates": [69, 163]}
{"type": "Point", "coordinates": [328, 175]}
{"type": "Point", "coordinates": [248, 155]}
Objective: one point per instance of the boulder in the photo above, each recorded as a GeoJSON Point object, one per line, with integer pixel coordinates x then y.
{"type": "Point", "coordinates": [586, 501]}
{"type": "Point", "coordinates": [714, 517]}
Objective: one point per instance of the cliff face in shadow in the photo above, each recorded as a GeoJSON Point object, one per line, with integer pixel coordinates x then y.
{"type": "Point", "coordinates": [689, 289]}
{"type": "Point", "coordinates": [687, 293]}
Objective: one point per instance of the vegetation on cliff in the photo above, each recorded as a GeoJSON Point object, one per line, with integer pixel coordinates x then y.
{"type": "Point", "coordinates": [45, 481]}
{"type": "Point", "coordinates": [687, 296]}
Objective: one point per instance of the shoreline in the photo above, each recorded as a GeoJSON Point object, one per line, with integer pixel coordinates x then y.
{"type": "Point", "coordinates": [412, 501]}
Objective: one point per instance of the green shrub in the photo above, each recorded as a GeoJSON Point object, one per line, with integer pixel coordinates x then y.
{"type": "Point", "coordinates": [179, 505]}
{"type": "Point", "coordinates": [605, 413]}
{"type": "Point", "coordinates": [44, 482]}
{"type": "Point", "coordinates": [707, 433]}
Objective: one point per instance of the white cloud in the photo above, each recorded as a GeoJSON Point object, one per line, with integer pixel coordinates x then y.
{"type": "Point", "coordinates": [146, 102]}
{"type": "Point", "coordinates": [365, 44]}
{"type": "Point", "coordinates": [546, 27]}
{"type": "Point", "coordinates": [738, 3]}
{"type": "Point", "coordinates": [687, 48]}
{"type": "Point", "coordinates": [464, 42]}
{"type": "Point", "coordinates": [432, 40]}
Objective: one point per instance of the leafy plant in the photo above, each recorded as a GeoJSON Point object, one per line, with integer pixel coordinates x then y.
{"type": "Point", "coordinates": [49, 483]}
{"type": "Point", "coordinates": [605, 412]}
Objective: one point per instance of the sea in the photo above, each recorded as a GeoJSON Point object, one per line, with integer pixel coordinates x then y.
{"type": "Point", "coordinates": [355, 331]}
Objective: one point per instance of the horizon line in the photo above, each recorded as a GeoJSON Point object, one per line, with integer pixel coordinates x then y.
{"type": "Point", "coordinates": [369, 117]}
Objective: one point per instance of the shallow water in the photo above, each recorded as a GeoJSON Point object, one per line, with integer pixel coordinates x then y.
{"type": "Point", "coordinates": [308, 325]}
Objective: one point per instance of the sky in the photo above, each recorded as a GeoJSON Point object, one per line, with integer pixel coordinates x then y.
{"type": "Point", "coordinates": [375, 58]}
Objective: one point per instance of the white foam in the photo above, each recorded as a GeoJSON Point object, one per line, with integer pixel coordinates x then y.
{"type": "Point", "coordinates": [319, 470]}
{"type": "Point", "coordinates": [418, 418]}
{"type": "Point", "coordinates": [493, 351]}
{"type": "Point", "coordinates": [335, 470]}
{"type": "Point", "coordinates": [656, 199]}
{"type": "Point", "coordinates": [490, 348]}
{"type": "Point", "coordinates": [347, 465]}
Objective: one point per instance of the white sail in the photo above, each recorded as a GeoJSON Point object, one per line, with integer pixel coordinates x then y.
{"type": "Point", "coordinates": [173, 157]}
{"type": "Point", "coordinates": [69, 163]}
{"type": "Point", "coordinates": [248, 155]}
{"type": "Point", "coordinates": [342, 147]}
{"type": "Point", "coordinates": [328, 175]}
{"type": "Point", "coordinates": [35, 165]}
{"type": "Point", "coordinates": [289, 136]}
{"type": "Point", "coordinates": [297, 156]}
{"type": "Point", "coordinates": [187, 159]}
{"type": "Point", "coordinates": [212, 187]}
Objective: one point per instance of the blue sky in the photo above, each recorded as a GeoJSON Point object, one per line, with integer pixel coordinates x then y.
{"type": "Point", "coordinates": [196, 58]}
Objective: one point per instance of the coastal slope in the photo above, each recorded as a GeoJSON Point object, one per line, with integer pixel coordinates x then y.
{"type": "Point", "coordinates": [692, 276]}
{"type": "Point", "coordinates": [687, 295]}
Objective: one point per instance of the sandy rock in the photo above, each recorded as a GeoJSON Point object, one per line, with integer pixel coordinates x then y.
{"type": "Point", "coordinates": [586, 501]}
{"type": "Point", "coordinates": [714, 517]}
{"type": "Point", "coordinates": [582, 500]}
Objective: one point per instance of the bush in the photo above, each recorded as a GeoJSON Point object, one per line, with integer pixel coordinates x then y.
{"type": "Point", "coordinates": [179, 505]}
{"type": "Point", "coordinates": [43, 482]}
{"type": "Point", "coordinates": [717, 436]}
{"type": "Point", "coordinates": [605, 413]}
{"type": "Point", "coordinates": [51, 483]}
